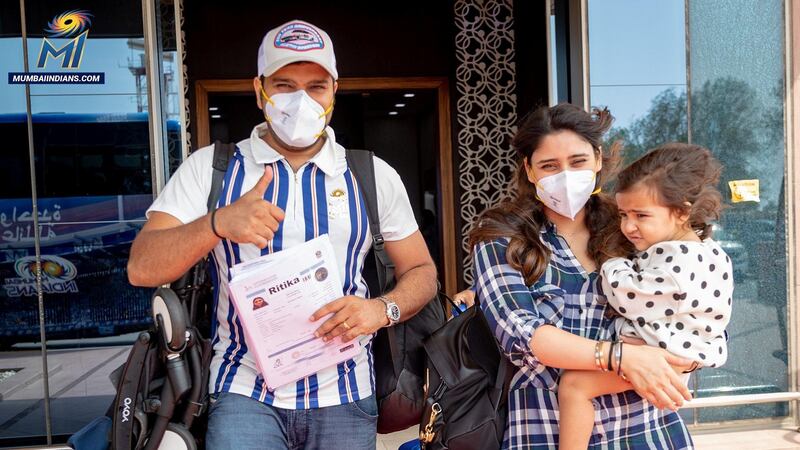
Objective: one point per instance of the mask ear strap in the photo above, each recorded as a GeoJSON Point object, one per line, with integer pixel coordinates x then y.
{"type": "Point", "coordinates": [599, 188]}
{"type": "Point", "coordinates": [535, 184]}
{"type": "Point", "coordinates": [266, 97]}
{"type": "Point", "coordinates": [327, 111]}
{"type": "Point", "coordinates": [269, 100]}
{"type": "Point", "coordinates": [536, 191]}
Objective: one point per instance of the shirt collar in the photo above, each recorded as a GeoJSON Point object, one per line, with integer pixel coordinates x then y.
{"type": "Point", "coordinates": [548, 228]}
{"type": "Point", "coordinates": [329, 158]}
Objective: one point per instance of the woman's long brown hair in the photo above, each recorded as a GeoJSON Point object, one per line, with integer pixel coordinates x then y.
{"type": "Point", "coordinates": [521, 218]}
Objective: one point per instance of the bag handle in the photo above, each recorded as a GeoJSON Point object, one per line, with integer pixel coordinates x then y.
{"type": "Point", "coordinates": [362, 165]}
{"type": "Point", "coordinates": [452, 303]}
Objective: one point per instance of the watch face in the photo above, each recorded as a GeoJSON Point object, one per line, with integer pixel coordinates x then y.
{"type": "Point", "coordinates": [394, 312]}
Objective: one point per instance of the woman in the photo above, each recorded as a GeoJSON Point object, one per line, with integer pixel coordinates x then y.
{"type": "Point", "coordinates": [536, 260]}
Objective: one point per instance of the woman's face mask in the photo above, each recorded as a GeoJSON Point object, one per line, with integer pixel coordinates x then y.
{"type": "Point", "coordinates": [295, 118]}
{"type": "Point", "coordinates": [567, 192]}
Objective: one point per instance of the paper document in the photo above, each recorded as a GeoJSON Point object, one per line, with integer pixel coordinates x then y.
{"type": "Point", "coordinates": [275, 295]}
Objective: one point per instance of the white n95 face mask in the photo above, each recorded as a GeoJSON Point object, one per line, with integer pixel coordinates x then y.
{"type": "Point", "coordinates": [567, 192]}
{"type": "Point", "coordinates": [296, 119]}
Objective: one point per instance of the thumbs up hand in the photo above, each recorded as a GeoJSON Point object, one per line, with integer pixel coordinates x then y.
{"type": "Point", "coordinates": [250, 219]}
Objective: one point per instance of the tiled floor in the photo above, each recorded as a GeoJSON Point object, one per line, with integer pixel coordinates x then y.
{"type": "Point", "coordinates": [80, 390]}
{"type": "Point", "coordinates": [773, 439]}
{"type": "Point", "coordinates": [395, 440]}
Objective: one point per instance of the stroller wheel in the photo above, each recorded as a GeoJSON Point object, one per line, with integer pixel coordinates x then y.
{"type": "Point", "coordinates": [177, 437]}
{"type": "Point", "coordinates": [174, 322]}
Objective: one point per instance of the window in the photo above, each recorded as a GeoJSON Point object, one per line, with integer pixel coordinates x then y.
{"type": "Point", "coordinates": [92, 163]}
{"type": "Point", "coordinates": [712, 73]}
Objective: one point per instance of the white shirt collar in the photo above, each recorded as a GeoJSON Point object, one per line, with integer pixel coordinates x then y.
{"type": "Point", "coordinates": [330, 158]}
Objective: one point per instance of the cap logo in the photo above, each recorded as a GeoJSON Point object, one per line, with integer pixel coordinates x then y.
{"type": "Point", "coordinates": [299, 37]}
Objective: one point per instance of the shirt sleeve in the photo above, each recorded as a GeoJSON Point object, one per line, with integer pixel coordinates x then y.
{"type": "Point", "coordinates": [512, 310]}
{"type": "Point", "coordinates": [185, 195]}
{"type": "Point", "coordinates": [396, 216]}
{"type": "Point", "coordinates": [641, 294]}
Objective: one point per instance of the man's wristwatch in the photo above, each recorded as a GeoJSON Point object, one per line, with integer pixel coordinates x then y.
{"type": "Point", "coordinates": [392, 310]}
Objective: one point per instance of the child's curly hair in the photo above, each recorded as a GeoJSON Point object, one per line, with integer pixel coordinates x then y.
{"type": "Point", "coordinates": [683, 177]}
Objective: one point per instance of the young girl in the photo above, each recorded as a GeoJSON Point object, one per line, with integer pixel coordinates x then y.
{"type": "Point", "coordinates": [674, 294]}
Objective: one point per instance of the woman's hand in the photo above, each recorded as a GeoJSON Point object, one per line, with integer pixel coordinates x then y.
{"type": "Point", "coordinates": [653, 372]}
{"type": "Point", "coordinates": [466, 297]}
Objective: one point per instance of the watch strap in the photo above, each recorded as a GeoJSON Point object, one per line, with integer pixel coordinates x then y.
{"type": "Point", "coordinates": [389, 304]}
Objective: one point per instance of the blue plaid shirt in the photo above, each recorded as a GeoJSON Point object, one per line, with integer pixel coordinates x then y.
{"type": "Point", "coordinates": [568, 298]}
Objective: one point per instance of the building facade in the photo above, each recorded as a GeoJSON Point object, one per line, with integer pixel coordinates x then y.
{"type": "Point", "coordinates": [434, 88]}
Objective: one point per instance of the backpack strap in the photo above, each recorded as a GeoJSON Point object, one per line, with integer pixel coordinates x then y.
{"type": "Point", "coordinates": [222, 156]}
{"type": "Point", "coordinates": [128, 398]}
{"type": "Point", "coordinates": [363, 167]}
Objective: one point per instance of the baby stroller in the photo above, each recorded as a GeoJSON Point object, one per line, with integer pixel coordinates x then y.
{"type": "Point", "coordinates": [163, 386]}
{"type": "Point", "coordinates": [162, 389]}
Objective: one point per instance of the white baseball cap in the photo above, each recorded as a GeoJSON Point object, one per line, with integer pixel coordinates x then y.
{"type": "Point", "coordinates": [296, 41]}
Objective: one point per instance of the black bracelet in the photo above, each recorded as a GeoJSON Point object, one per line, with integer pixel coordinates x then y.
{"type": "Point", "coordinates": [610, 353]}
{"type": "Point", "coordinates": [213, 227]}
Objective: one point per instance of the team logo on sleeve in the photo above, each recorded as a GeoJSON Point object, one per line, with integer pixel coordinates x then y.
{"type": "Point", "coordinates": [299, 37]}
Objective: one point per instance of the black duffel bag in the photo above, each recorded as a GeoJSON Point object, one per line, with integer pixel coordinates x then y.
{"type": "Point", "coordinates": [398, 354]}
{"type": "Point", "coordinates": [466, 405]}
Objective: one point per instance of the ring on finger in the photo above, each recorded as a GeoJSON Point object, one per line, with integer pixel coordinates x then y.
{"type": "Point", "coordinates": [345, 325]}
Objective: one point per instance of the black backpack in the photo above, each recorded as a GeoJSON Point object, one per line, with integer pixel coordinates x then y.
{"type": "Point", "coordinates": [468, 381]}
{"type": "Point", "coordinates": [398, 351]}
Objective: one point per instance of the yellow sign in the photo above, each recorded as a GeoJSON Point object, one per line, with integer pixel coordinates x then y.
{"type": "Point", "coordinates": [744, 191]}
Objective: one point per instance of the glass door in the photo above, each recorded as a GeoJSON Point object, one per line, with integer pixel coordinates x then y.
{"type": "Point", "coordinates": [712, 73]}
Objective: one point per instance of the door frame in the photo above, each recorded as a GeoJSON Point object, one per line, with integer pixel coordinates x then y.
{"type": "Point", "coordinates": [445, 182]}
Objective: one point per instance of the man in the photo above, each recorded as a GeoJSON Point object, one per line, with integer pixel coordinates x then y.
{"type": "Point", "coordinates": [286, 184]}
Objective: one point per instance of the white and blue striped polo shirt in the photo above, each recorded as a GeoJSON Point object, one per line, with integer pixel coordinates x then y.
{"type": "Point", "coordinates": [321, 197]}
